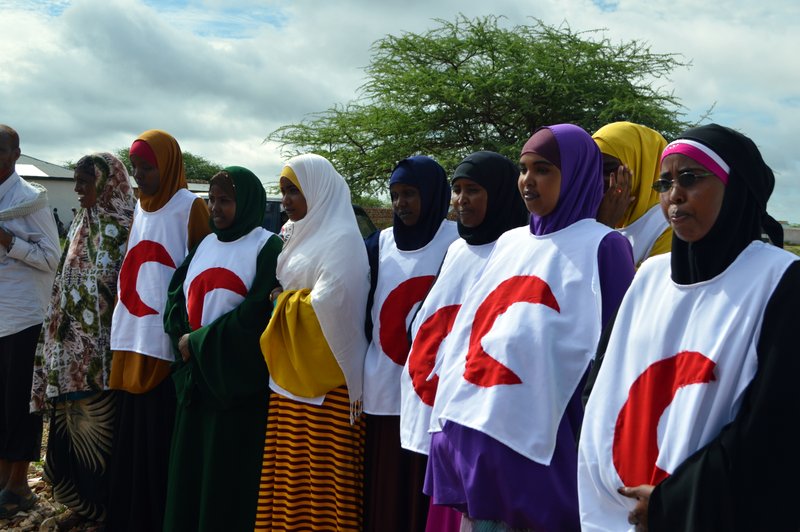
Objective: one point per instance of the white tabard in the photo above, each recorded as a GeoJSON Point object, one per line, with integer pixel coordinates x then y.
{"type": "Point", "coordinates": [676, 367]}
{"type": "Point", "coordinates": [404, 277]}
{"type": "Point", "coordinates": [157, 244]}
{"type": "Point", "coordinates": [643, 233]}
{"type": "Point", "coordinates": [524, 337]}
{"type": "Point", "coordinates": [220, 275]}
{"type": "Point", "coordinates": [462, 265]}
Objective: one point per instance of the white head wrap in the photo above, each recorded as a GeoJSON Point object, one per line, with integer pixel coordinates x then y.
{"type": "Point", "coordinates": [326, 253]}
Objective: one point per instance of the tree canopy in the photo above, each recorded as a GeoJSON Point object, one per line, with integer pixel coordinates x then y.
{"type": "Point", "coordinates": [471, 85]}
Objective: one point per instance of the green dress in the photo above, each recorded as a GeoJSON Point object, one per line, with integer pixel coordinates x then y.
{"type": "Point", "coordinates": [222, 391]}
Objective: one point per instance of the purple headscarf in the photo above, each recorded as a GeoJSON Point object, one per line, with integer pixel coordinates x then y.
{"type": "Point", "coordinates": [581, 179]}
{"type": "Point", "coordinates": [431, 180]}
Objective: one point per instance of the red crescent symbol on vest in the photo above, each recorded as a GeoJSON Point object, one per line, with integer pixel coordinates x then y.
{"type": "Point", "coordinates": [481, 368]}
{"type": "Point", "coordinates": [205, 282]}
{"type": "Point", "coordinates": [422, 358]}
{"type": "Point", "coordinates": [143, 252]}
{"type": "Point", "coordinates": [395, 309]}
{"type": "Point", "coordinates": [635, 448]}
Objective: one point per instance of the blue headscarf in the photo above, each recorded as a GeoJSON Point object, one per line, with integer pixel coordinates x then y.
{"type": "Point", "coordinates": [431, 180]}
{"type": "Point", "coordinates": [581, 168]}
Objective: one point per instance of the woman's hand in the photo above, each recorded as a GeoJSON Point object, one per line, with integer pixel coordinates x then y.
{"type": "Point", "coordinates": [275, 293]}
{"type": "Point", "coordinates": [617, 198]}
{"type": "Point", "coordinates": [183, 347]}
{"type": "Point", "coordinates": [638, 515]}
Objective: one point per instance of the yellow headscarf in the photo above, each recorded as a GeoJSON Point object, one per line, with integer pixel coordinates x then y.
{"type": "Point", "coordinates": [639, 148]}
{"type": "Point", "coordinates": [289, 174]}
{"type": "Point", "coordinates": [170, 168]}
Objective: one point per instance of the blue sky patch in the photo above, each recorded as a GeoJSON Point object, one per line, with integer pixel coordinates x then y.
{"type": "Point", "coordinates": [607, 6]}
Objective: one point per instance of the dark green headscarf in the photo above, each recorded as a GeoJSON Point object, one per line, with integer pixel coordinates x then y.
{"type": "Point", "coordinates": [251, 201]}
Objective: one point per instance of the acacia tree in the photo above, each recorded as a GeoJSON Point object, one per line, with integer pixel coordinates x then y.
{"type": "Point", "coordinates": [471, 84]}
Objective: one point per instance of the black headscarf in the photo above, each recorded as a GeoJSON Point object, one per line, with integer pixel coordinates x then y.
{"type": "Point", "coordinates": [743, 214]}
{"type": "Point", "coordinates": [505, 209]}
{"type": "Point", "coordinates": [431, 180]}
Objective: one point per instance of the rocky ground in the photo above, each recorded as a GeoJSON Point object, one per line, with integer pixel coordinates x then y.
{"type": "Point", "coordinates": [47, 515]}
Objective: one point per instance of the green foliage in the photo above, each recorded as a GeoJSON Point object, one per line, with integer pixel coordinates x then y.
{"type": "Point", "coordinates": [197, 168]}
{"type": "Point", "coordinates": [470, 85]}
{"type": "Point", "coordinates": [373, 201]}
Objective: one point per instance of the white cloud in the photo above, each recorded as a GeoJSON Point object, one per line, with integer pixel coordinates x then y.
{"type": "Point", "coordinates": [90, 75]}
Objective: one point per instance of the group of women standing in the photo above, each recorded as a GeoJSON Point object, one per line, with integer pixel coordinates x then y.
{"type": "Point", "coordinates": [435, 377]}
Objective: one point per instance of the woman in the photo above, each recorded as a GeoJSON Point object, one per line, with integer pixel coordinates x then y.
{"type": "Point", "coordinates": [314, 346]}
{"type": "Point", "coordinates": [409, 255]}
{"type": "Point", "coordinates": [217, 308]}
{"type": "Point", "coordinates": [689, 421]}
{"type": "Point", "coordinates": [508, 403]}
{"type": "Point", "coordinates": [487, 202]}
{"type": "Point", "coordinates": [631, 159]}
{"type": "Point", "coordinates": [71, 372]}
{"type": "Point", "coordinates": [168, 221]}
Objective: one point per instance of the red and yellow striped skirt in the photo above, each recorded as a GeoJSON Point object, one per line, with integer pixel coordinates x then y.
{"type": "Point", "coordinates": [312, 473]}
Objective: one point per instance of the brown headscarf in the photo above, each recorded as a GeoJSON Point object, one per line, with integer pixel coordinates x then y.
{"type": "Point", "coordinates": [170, 167]}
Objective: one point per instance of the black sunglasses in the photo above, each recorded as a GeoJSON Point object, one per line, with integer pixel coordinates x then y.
{"type": "Point", "coordinates": [685, 179]}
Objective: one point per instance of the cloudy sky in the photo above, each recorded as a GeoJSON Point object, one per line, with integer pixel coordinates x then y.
{"type": "Point", "coordinates": [78, 76]}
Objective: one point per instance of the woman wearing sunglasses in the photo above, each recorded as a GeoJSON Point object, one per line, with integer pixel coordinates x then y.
{"type": "Point", "coordinates": [691, 420]}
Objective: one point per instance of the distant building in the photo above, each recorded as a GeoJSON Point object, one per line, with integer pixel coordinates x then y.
{"type": "Point", "coordinates": [791, 235]}
{"type": "Point", "coordinates": [56, 179]}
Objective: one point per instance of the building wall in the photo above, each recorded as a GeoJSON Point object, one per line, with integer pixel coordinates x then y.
{"type": "Point", "coordinates": [791, 235]}
{"type": "Point", "coordinates": [380, 216]}
{"type": "Point", "coordinates": [61, 195]}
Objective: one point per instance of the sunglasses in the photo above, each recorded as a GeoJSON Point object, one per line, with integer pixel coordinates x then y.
{"type": "Point", "coordinates": [686, 179]}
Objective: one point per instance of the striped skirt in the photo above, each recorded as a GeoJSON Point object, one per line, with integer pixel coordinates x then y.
{"type": "Point", "coordinates": [313, 467]}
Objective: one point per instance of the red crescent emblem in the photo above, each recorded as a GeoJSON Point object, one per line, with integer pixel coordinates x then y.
{"type": "Point", "coordinates": [635, 447]}
{"type": "Point", "coordinates": [422, 358]}
{"type": "Point", "coordinates": [481, 368]}
{"type": "Point", "coordinates": [143, 252]}
{"type": "Point", "coordinates": [205, 282]}
{"type": "Point", "coordinates": [395, 309]}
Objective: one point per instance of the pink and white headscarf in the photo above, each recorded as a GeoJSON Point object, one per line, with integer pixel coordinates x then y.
{"type": "Point", "coordinates": [700, 153]}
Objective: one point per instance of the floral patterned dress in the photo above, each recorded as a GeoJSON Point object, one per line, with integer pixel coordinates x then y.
{"type": "Point", "coordinates": [73, 362]}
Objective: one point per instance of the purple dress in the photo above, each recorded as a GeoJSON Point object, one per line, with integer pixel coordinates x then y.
{"type": "Point", "coordinates": [485, 479]}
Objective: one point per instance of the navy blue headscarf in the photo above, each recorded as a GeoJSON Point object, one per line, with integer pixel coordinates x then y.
{"type": "Point", "coordinates": [431, 180]}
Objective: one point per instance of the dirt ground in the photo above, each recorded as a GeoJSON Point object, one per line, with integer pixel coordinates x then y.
{"type": "Point", "coordinates": [47, 515]}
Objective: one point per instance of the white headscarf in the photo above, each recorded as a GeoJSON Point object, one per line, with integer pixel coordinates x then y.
{"type": "Point", "coordinates": [326, 253]}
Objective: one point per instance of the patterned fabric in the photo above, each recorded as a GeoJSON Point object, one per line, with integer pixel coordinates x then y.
{"type": "Point", "coordinates": [313, 467]}
{"type": "Point", "coordinates": [79, 452]}
{"type": "Point", "coordinates": [76, 355]}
